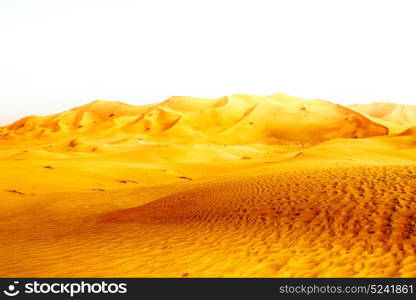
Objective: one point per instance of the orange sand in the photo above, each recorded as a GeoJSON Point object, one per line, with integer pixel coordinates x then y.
{"type": "Point", "coordinates": [240, 186]}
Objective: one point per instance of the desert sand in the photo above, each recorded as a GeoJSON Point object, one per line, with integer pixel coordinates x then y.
{"type": "Point", "coordinates": [238, 186]}
{"type": "Point", "coordinates": [397, 117]}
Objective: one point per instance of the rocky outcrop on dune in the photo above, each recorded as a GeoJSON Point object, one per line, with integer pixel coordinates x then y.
{"type": "Point", "coordinates": [236, 119]}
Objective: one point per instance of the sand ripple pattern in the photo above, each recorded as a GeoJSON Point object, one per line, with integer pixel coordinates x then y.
{"type": "Point", "coordinates": [357, 221]}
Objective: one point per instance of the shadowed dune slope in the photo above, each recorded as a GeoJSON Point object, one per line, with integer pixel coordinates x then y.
{"type": "Point", "coordinates": [237, 119]}
{"type": "Point", "coordinates": [409, 132]}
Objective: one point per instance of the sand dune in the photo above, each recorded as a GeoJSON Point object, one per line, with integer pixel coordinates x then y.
{"type": "Point", "coordinates": [396, 117]}
{"type": "Point", "coordinates": [243, 186]}
{"type": "Point", "coordinates": [237, 119]}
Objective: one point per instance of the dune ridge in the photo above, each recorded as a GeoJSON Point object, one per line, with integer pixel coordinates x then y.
{"type": "Point", "coordinates": [237, 119]}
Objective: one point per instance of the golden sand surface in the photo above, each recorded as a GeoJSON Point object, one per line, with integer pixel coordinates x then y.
{"type": "Point", "coordinates": [239, 186]}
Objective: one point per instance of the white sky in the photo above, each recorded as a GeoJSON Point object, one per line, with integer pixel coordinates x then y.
{"type": "Point", "coordinates": [58, 54]}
